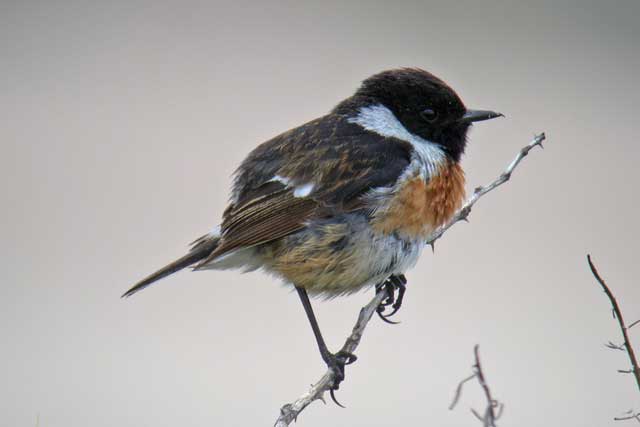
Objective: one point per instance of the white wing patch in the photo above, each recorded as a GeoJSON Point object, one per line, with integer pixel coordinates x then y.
{"type": "Point", "coordinates": [298, 191]}
{"type": "Point", "coordinates": [303, 190]}
{"type": "Point", "coordinates": [281, 179]}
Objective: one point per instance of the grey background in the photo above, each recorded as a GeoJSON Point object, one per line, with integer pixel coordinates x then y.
{"type": "Point", "coordinates": [121, 123]}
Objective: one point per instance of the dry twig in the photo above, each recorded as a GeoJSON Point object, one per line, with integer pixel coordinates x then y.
{"type": "Point", "coordinates": [290, 411]}
{"type": "Point", "coordinates": [629, 415]}
{"type": "Point", "coordinates": [617, 314]}
{"type": "Point", "coordinates": [465, 210]}
{"type": "Point", "coordinates": [626, 345]}
{"type": "Point", "coordinates": [494, 409]}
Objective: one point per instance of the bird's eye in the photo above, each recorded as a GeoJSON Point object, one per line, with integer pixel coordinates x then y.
{"type": "Point", "coordinates": [429, 115]}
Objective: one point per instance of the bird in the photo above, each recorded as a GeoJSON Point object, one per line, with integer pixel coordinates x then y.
{"type": "Point", "coordinates": [345, 201]}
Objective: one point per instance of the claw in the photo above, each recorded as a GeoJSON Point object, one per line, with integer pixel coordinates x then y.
{"type": "Point", "coordinates": [336, 362]}
{"type": "Point", "coordinates": [394, 311]}
{"type": "Point", "coordinates": [345, 358]}
{"type": "Point", "coordinates": [352, 358]}
{"type": "Point", "coordinates": [333, 397]}
{"type": "Point", "coordinates": [384, 318]}
{"type": "Point", "coordinates": [393, 283]}
{"type": "Point", "coordinates": [398, 303]}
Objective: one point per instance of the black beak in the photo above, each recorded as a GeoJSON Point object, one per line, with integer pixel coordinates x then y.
{"type": "Point", "coordinates": [479, 115]}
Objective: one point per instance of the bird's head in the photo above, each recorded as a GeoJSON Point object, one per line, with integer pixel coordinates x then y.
{"type": "Point", "coordinates": [425, 105]}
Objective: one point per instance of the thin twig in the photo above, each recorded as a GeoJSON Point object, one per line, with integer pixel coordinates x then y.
{"type": "Point", "coordinates": [493, 410]}
{"type": "Point", "coordinates": [290, 411]}
{"type": "Point", "coordinates": [456, 398]}
{"type": "Point", "coordinates": [490, 414]}
{"type": "Point", "coordinates": [630, 415]}
{"type": "Point", "coordinates": [618, 315]}
{"type": "Point", "coordinates": [465, 210]}
{"type": "Point", "coordinates": [614, 346]}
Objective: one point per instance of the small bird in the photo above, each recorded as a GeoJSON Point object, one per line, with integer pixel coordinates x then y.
{"type": "Point", "coordinates": [347, 200]}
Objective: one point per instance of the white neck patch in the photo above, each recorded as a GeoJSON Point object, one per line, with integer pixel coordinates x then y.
{"type": "Point", "coordinates": [381, 120]}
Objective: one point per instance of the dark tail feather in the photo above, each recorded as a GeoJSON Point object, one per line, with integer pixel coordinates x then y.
{"type": "Point", "coordinates": [201, 249]}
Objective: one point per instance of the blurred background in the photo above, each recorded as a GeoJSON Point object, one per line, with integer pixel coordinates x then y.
{"type": "Point", "coordinates": [121, 123]}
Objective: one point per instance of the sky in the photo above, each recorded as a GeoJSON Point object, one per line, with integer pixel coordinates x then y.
{"type": "Point", "coordinates": [122, 123]}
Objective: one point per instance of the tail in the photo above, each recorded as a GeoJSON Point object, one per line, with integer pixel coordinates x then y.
{"type": "Point", "coordinates": [201, 249]}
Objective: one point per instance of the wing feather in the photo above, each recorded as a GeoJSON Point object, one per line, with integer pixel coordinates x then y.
{"type": "Point", "coordinates": [340, 159]}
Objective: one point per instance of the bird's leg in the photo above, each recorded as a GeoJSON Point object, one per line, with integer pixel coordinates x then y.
{"type": "Point", "coordinates": [393, 283]}
{"type": "Point", "coordinates": [336, 362]}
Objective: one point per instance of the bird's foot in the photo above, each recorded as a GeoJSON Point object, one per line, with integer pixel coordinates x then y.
{"type": "Point", "coordinates": [390, 286]}
{"type": "Point", "coordinates": [336, 363]}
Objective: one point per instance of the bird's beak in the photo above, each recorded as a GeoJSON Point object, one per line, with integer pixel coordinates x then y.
{"type": "Point", "coordinates": [479, 115]}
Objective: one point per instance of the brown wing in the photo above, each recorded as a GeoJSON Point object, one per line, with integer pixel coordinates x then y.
{"type": "Point", "coordinates": [339, 158]}
{"type": "Point", "coordinates": [264, 219]}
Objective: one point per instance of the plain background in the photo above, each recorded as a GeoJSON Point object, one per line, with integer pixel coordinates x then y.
{"type": "Point", "coordinates": [121, 123]}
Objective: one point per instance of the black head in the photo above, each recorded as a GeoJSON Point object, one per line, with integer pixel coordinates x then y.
{"type": "Point", "coordinates": [423, 103]}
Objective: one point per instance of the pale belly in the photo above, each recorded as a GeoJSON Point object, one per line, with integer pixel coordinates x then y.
{"type": "Point", "coordinates": [339, 256]}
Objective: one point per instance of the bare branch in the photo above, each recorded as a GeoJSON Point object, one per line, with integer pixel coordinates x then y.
{"type": "Point", "coordinates": [493, 410]}
{"type": "Point", "coordinates": [464, 212]}
{"type": "Point", "coordinates": [629, 415]}
{"type": "Point", "coordinates": [478, 416]}
{"type": "Point", "coordinates": [490, 414]}
{"type": "Point", "coordinates": [614, 346]}
{"type": "Point", "coordinates": [623, 328]}
{"type": "Point", "coordinates": [456, 398]}
{"type": "Point", "coordinates": [290, 411]}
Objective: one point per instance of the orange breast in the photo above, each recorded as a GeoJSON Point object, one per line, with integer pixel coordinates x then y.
{"type": "Point", "coordinates": [420, 207]}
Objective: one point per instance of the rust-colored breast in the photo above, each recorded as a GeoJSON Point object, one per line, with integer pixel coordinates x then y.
{"type": "Point", "coordinates": [420, 207]}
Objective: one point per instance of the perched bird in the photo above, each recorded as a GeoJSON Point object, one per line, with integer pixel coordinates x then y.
{"type": "Point", "coordinates": [348, 199]}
